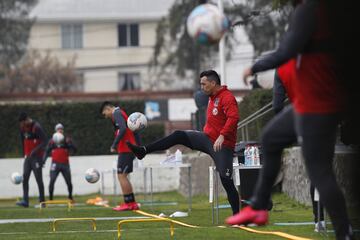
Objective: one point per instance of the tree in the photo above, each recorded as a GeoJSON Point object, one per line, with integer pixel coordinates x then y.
{"type": "Point", "coordinates": [176, 54]}
{"type": "Point", "coordinates": [40, 73]}
{"type": "Point", "coordinates": [263, 21]}
{"type": "Point", "coordinates": [15, 26]}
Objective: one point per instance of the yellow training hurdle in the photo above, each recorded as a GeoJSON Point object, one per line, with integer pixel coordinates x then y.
{"type": "Point", "coordinates": [93, 221]}
{"type": "Point", "coordinates": [46, 203]}
{"type": "Point", "coordinates": [146, 220]}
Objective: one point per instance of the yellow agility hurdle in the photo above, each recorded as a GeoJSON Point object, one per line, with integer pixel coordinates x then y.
{"type": "Point", "coordinates": [93, 221]}
{"type": "Point", "coordinates": [158, 217]}
{"type": "Point", "coordinates": [46, 203]}
{"type": "Point", "coordinates": [275, 233]}
{"type": "Point", "coordinates": [146, 220]}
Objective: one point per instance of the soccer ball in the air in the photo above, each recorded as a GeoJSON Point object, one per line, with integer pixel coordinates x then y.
{"type": "Point", "coordinates": [207, 24]}
{"type": "Point", "coordinates": [58, 138]}
{"type": "Point", "coordinates": [16, 178]}
{"type": "Point", "coordinates": [92, 175]}
{"type": "Point", "coordinates": [136, 121]}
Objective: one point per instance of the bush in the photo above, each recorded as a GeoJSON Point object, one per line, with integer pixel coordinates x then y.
{"type": "Point", "coordinates": [91, 133]}
{"type": "Point", "coordinates": [252, 102]}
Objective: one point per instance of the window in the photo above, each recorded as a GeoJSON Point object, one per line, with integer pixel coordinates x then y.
{"type": "Point", "coordinates": [128, 81]}
{"type": "Point", "coordinates": [71, 36]}
{"type": "Point", "coordinates": [128, 35]}
{"type": "Point", "coordinates": [79, 86]}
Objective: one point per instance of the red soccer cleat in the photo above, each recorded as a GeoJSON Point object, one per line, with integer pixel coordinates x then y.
{"type": "Point", "coordinates": [249, 215]}
{"type": "Point", "coordinates": [127, 207]}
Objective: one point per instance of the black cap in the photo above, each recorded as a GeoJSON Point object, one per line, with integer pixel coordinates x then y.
{"type": "Point", "coordinates": [23, 116]}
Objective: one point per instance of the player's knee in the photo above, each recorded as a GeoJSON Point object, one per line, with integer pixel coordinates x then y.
{"type": "Point", "coordinates": [178, 133]}
{"type": "Point", "coordinates": [267, 138]}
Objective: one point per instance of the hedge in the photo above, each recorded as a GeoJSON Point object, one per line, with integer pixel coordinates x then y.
{"type": "Point", "coordinates": [92, 133]}
{"type": "Point", "coordinates": [252, 102]}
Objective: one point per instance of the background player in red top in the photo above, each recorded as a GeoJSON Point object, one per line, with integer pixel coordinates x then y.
{"type": "Point", "coordinates": [125, 156]}
{"type": "Point", "coordinates": [33, 139]}
{"type": "Point", "coordinates": [217, 140]}
{"type": "Point", "coordinates": [317, 96]}
{"type": "Point", "coordinates": [60, 161]}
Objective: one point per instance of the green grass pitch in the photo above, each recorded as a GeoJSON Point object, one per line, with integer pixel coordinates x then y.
{"type": "Point", "coordinates": [285, 210]}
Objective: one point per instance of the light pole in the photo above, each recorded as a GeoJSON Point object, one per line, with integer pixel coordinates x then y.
{"type": "Point", "coordinates": [222, 49]}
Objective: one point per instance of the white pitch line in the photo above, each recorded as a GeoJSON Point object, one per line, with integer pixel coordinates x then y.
{"type": "Point", "coordinates": [294, 223]}
{"type": "Point", "coordinates": [41, 220]}
{"type": "Point", "coordinates": [87, 231]}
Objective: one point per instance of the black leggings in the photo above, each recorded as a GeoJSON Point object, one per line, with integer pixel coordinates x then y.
{"type": "Point", "coordinates": [64, 169]}
{"type": "Point", "coordinates": [33, 164]}
{"type": "Point", "coordinates": [199, 141]}
{"type": "Point", "coordinates": [316, 134]}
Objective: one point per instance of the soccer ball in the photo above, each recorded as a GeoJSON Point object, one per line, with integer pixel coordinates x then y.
{"type": "Point", "coordinates": [58, 138]}
{"type": "Point", "coordinates": [92, 175]}
{"type": "Point", "coordinates": [207, 24]}
{"type": "Point", "coordinates": [16, 178]}
{"type": "Point", "coordinates": [136, 121]}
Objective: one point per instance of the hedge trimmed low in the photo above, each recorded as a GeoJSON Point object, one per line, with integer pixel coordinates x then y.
{"type": "Point", "coordinates": [91, 133]}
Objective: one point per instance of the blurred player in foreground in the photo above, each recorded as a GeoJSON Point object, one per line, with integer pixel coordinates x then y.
{"type": "Point", "coordinates": [318, 103]}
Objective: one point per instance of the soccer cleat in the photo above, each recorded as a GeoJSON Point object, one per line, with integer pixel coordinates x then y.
{"type": "Point", "coordinates": [127, 207]}
{"type": "Point", "coordinates": [22, 203]}
{"type": "Point", "coordinates": [249, 216]}
{"type": "Point", "coordinates": [139, 151]}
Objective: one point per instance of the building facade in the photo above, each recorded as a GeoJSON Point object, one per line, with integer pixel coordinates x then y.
{"type": "Point", "coordinates": [111, 41]}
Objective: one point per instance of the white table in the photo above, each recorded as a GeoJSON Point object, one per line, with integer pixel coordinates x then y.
{"type": "Point", "coordinates": [214, 187]}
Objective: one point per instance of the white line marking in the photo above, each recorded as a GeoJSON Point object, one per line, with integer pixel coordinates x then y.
{"type": "Point", "coordinates": [41, 220]}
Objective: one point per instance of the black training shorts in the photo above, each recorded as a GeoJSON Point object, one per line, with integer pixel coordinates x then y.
{"type": "Point", "coordinates": [125, 162]}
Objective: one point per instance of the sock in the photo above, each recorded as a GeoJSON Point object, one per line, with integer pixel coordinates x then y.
{"type": "Point", "coordinates": [128, 198]}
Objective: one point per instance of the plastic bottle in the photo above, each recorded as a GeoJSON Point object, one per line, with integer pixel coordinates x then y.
{"type": "Point", "coordinates": [178, 156]}
{"type": "Point", "coordinates": [252, 156]}
{"type": "Point", "coordinates": [257, 156]}
{"type": "Point", "coordinates": [246, 156]}
{"type": "Point", "coordinates": [249, 156]}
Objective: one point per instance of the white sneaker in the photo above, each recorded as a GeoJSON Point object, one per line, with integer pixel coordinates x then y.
{"type": "Point", "coordinates": [319, 226]}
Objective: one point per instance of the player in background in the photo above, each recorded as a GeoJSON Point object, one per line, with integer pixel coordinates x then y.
{"type": "Point", "coordinates": [33, 139]}
{"type": "Point", "coordinates": [125, 156]}
{"type": "Point", "coordinates": [60, 160]}
{"type": "Point", "coordinates": [217, 140]}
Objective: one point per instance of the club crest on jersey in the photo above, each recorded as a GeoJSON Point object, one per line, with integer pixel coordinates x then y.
{"type": "Point", "coordinates": [216, 102]}
{"type": "Point", "coordinates": [215, 111]}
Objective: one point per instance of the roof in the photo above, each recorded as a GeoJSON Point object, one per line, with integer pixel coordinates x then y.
{"type": "Point", "coordinates": [104, 10]}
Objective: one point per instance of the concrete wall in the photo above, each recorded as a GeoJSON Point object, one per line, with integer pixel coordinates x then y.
{"type": "Point", "coordinates": [200, 164]}
{"type": "Point", "coordinates": [164, 179]}
{"type": "Point", "coordinates": [297, 185]}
